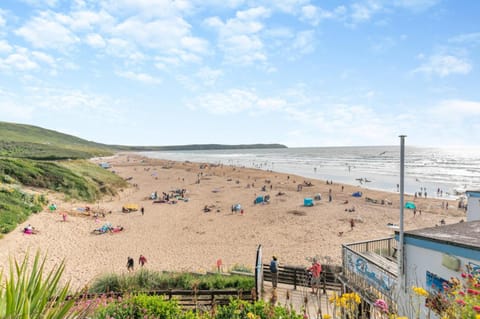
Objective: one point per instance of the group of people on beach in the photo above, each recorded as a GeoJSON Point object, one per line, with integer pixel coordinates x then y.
{"type": "Point", "coordinates": [142, 260]}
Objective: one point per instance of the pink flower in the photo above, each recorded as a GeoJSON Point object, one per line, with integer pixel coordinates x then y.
{"type": "Point", "coordinates": [476, 308]}
{"type": "Point", "coordinates": [381, 304]}
{"type": "Point", "coordinates": [460, 302]}
{"type": "Point", "coordinates": [464, 275]}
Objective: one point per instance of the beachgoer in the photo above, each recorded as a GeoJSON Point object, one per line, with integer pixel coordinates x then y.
{"type": "Point", "coordinates": [315, 269]}
{"type": "Point", "coordinates": [352, 224]}
{"type": "Point", "coordinates": [219, 264]}
{"type": "Point", "coordinates": [130, 264]}
{"type": "Point", "coordinates": [142, 210]}
{"type": "Point", "coordinates": [142, 260]}
{"type": "Point", "coordinates": [274, 271]}
{"type": "Point", "coordinates": [64, 217]}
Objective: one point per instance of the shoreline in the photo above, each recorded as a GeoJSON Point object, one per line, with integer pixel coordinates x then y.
{"type": "Point", "coordinates": [182, 237]}
{"type": "Point", "coordinates": [383, 180]}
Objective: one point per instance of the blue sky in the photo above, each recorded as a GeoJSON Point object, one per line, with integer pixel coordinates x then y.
{"type": "Point", "coordinates": [296, 72]}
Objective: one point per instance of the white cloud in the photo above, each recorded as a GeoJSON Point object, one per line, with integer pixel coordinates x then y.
{"type": "Point", "coordinates": [288, 6]}
{"type": "Point", "coordinates": [64, 99]}
{"type": "Point", "coordinates": [85, 20]}
{"type": "Point", "coordinates": [239, 37]}
{"type": "Point", "coordinates": [467, 38]}
{"type": "Point", "coordinates": [19, 60]}
{"type": "Point", "coordinates": [44, 58]}
{"type": "Point", "coordinates": [243, 49]}
{"type": "Point", "coordinates": [95, 40]}
{"type": "Point", "coordinates": [236, 101]}
{"type": "Point", "coordinates": [148, 8]}
{"type": "Point", "coordinates": [361, 12]}
{"type": "Point", "coordinates": [122, 48]}
{"type": "Point", "coordinates": [167, 36]}
{"type": "Point", "coordinates": [314, 15]}
{"type": "Point", "coordinates": [463, 108]}
{"type": "Point", "coordinates": [444, 65]}
{"type": "Point", "coordinates": [140, 77]}
{"type": "Point", "coordinates": [206, 77]}
{"type": "Point", "coordinates": [304, 42]}
{"type": "Point", "coordinates": [5, 47]}
{"type": "Point", "coordinates": [45, 31]}
{"type": "Point", "coordinates": [158, 33]}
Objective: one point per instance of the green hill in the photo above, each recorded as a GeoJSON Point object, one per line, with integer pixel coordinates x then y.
{"type": "Point", "coordinates": [27, 141]}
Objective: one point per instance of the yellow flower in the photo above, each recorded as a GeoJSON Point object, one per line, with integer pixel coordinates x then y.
{"type": "Point", "coordinates": [251, 315]}
{"type": "Point", "coordinates": [477, 316]}
{"type": "Point", "coordinates": [326, 316]}
{"type": "Point", "coordinates": [420, 291]}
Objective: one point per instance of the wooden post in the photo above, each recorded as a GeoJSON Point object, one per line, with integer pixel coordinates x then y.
{"type": "Point", "coordinates": [295, 279]}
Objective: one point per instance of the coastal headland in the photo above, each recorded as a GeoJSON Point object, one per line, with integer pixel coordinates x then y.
{"type": "Point", "coordinates": [181, 236]}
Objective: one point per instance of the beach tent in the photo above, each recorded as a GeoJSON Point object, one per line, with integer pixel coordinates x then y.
{"type": "Point", "coordinates": [258, 200]}
{"type": "Point", "coordinates": [307, 202]}
{"type": "Point", "coordinates": [410, 205]}
{"type": "Point", "coordinates": [357, 194]}
{"type": "Point", "coordinates": [318, 197]}
{"type": "Point", "coordinates": [236, 208]}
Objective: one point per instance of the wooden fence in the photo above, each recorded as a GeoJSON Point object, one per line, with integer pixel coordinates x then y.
{"type": "Point", "coordinates": [298, 276]}
{"type": "Point", "coordinates": [190, 299]}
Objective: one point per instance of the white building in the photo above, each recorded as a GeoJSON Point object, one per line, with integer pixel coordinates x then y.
{"type": "Point", "coordinates": [431, 257]}
{"type": "Point", "coordinates": [434, 255]}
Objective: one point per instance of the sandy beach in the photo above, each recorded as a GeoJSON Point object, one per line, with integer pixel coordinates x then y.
{"type": "Point", "coordinates": [182, 236]}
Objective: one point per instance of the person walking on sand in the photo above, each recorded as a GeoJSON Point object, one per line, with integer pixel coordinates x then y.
{"type": "Point", "coordinates": [142, 260]}
{"type": "Point", "coordinates": [352, 224]}
{"type": "Point", "coordinates": [142, 210]}
{"type": "Point", "coordinates": [274, 271]}
{"type": "Point", "coordinates": [316, 270]}
{"type": "Point", "coordinates": [130, 264]}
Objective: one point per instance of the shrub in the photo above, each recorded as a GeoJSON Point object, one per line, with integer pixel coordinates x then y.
{"type": "Point", "coordinates": [147, 280]}
{"type": "Point", "coordinates": [140, 306]}
{"type": "Point", "coordinates": [29, 293]}
{"type": "Point", "coordinates": [16, 206]}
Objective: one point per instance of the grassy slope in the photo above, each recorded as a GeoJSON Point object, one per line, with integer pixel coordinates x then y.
{"type": "Point", "coordinates": [78, 179]}
{"type": "Point", "coordinates": [26, 141]}
{"type": "Point", "coordinates": [16, 206]}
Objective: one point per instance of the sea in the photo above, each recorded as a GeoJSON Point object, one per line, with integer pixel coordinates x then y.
{"type": "Point", "coordinates": [438, 172]}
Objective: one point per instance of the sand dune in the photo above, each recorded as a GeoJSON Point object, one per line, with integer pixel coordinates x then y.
{"type": "Point", "coordinates": [182, 237]}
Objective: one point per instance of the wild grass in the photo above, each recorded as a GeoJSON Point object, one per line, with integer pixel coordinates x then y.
{"type": "Point", "coordinates": [16, 206]}
{"type": "Point", "coordinates": [76, 179]}
{"type": "Point", "coordinates": [147, 280]}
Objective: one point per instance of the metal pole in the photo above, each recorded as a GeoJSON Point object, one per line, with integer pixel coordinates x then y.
{"type": "Point", "coordinates": [400, 239]}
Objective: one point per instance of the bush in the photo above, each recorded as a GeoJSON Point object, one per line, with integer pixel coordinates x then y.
{"type": "Point", "coordinates": [140, 306]}
{"type": "Point", "coordinates": [76, 179]}
{"type": "Point", "coordinates": [16, 206]}
{"type": "Point", "coordinates": [147, 280]}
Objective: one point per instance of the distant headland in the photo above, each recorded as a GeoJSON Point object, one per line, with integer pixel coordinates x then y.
{"type": "Point", "coordinates": [33, 142]}
{"type": "Point", "coordinates": [198, 147]}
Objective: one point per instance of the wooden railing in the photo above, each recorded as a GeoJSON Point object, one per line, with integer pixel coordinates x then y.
{"type": "Point", "coordinates": [298, 276]}
{"type": "Point", "coordinates": [186, 298]}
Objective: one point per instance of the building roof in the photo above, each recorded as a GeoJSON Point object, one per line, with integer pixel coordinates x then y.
{"type": "Point", "coordinates": [465, 234]}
